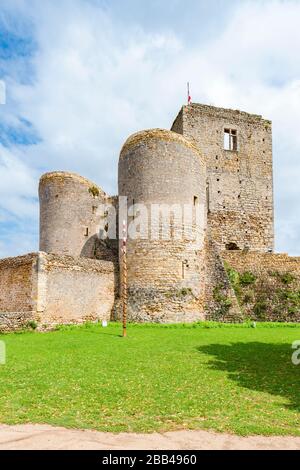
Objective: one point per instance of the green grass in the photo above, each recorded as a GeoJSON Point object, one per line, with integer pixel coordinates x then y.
{"type": "Point", "coordinates": [227, 378]}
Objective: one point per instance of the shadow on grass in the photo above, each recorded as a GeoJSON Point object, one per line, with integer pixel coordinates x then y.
{"type": "Point", "coordinates": [264, 367]}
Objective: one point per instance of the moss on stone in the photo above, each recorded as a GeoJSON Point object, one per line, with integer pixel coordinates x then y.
{"type": "Point", "coordinates": [94, 191]}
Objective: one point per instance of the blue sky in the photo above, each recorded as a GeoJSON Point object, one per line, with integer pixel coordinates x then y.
{"type": "Point", "coordinates": [81, 75]}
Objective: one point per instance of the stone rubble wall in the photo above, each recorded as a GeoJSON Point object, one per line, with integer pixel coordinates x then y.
{"type": "Point", "coordinates": [273, 292]}
{"type": "Point", "coordinates": [76, 289]}
{"type": "Point", "coordinates": [17, 305]}
{"type": "Point", "coordinates": [239, 183]}
{"type": "Point", "coordinates": [55, 289]}
{"type": "Point", "coordinates": [221, 301]}
{"type": "Point", "coordinates": [262, 263]}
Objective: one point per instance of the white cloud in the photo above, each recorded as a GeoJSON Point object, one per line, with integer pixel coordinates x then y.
{"type": "Point", "coordinates": [96, 80]}
{"type": "Point", "coordinates": [17, 190]}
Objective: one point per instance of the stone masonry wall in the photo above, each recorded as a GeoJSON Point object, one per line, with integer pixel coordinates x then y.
{"type": "Point", "coordinates": [239, 183]}
{"type": "Point", "coordinates": [76, 289]}
{"type": "Point", "coordinates": [17, 303]}
{"type": "Point", "coordinates": [267, 285]}
{"type": "Point", "coordinates": [261, 263]}
{"type": "Point", "coordinates": [52, 289]}
{"type": "Point", "coordinates": [221, 301]}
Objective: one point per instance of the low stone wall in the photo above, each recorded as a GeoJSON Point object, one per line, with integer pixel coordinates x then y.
{"type": "Point", "coordinates": [221, 302]}
{"type": "Point", "coordinates": [262, 262]}
{"type": "Point", "coordinates": [267, 285]}
{"type": "Point", "coordinates": [52, 289]}
{"type": "Point", "coordinates": [16, 283]}
{"type": "Point", "coordinates": [74, 290]}
{"type": "Point", "coordinates": [17, 280]}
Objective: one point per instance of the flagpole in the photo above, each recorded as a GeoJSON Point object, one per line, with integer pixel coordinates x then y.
{"type": "Point", "coordinates": [189, 98]}
{"type": "Point", "coordinates": [124, 279]}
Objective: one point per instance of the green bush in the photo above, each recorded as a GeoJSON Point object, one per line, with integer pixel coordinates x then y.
{"type": "Point", "coordinates": [247, 278]}
{"type": "Point", "coordinates": [223, 302]}
{"type": "Point", "coordinates": [286, 278]}
{"type": "Point", "coordinates": [260, 308]}
{"type": "Point", "coordinates": [234, 276]}
{"type": "Point", "coordinates": [31, 325]}
{"type": "Point", "coordinates": [185, 291]}
{"type": "Point", "coordinates": [248, 298]}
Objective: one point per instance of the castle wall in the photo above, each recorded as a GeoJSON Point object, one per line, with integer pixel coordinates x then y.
{"type": "Point", "coordinates": [262, 263]}
{"type": "Point", "coordinates": [17, 305]}
{"type": "Point", "coordinates": [239, 182]}
{"type": "Point", "coordinates": [55, 289]}
{"type": "Point", "coordinates": [69, 215]}
{"type": "Point", "coordinates": [76, 290]}
{"type": "Point", "coordinates": [273, 293]}
{"type": "Point", "coordinates": [166, 277]}
{"type": "Point", "coordinates": [220, 299]}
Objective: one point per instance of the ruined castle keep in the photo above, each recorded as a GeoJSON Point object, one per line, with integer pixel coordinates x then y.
{"type": "Point", "coordinates": [216, 162]}
{"type": "Point", "coordinates": [238, 152]}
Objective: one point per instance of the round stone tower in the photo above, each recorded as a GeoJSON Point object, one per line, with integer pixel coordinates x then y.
{"type": "Point", "coordinates": [163, 176]}
{"type": "Point", "coordinates": [69, 219]}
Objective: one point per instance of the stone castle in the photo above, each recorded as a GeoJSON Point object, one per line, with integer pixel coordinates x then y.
{"type": "Point", "coordinates": [219, 159]}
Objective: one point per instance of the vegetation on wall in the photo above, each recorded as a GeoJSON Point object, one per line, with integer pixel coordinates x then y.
{"type": "Point", "coordinates": [94, 191]}
{"type": "Point", "coordinates": [271, 296]}
{"type": "Point", "coordinates": [223, 303]}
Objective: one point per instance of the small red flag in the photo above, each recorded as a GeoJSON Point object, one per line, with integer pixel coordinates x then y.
{"type": "Point", "coordinates": [188, 93]}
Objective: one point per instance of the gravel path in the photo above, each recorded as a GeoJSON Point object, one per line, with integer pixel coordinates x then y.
{"type": "Point", "coordinates": [32, 436]}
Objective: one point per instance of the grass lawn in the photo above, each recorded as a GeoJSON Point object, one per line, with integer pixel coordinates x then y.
{"type": "Point", "coordinates": [228, 378]}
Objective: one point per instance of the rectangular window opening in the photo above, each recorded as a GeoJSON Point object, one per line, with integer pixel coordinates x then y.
{"type": "Point", "coordinates": [230, 139]}
{"type": "Point", "coordinates": [86, 232]}
{"type": "Point", "coordinates": [195, 200]}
